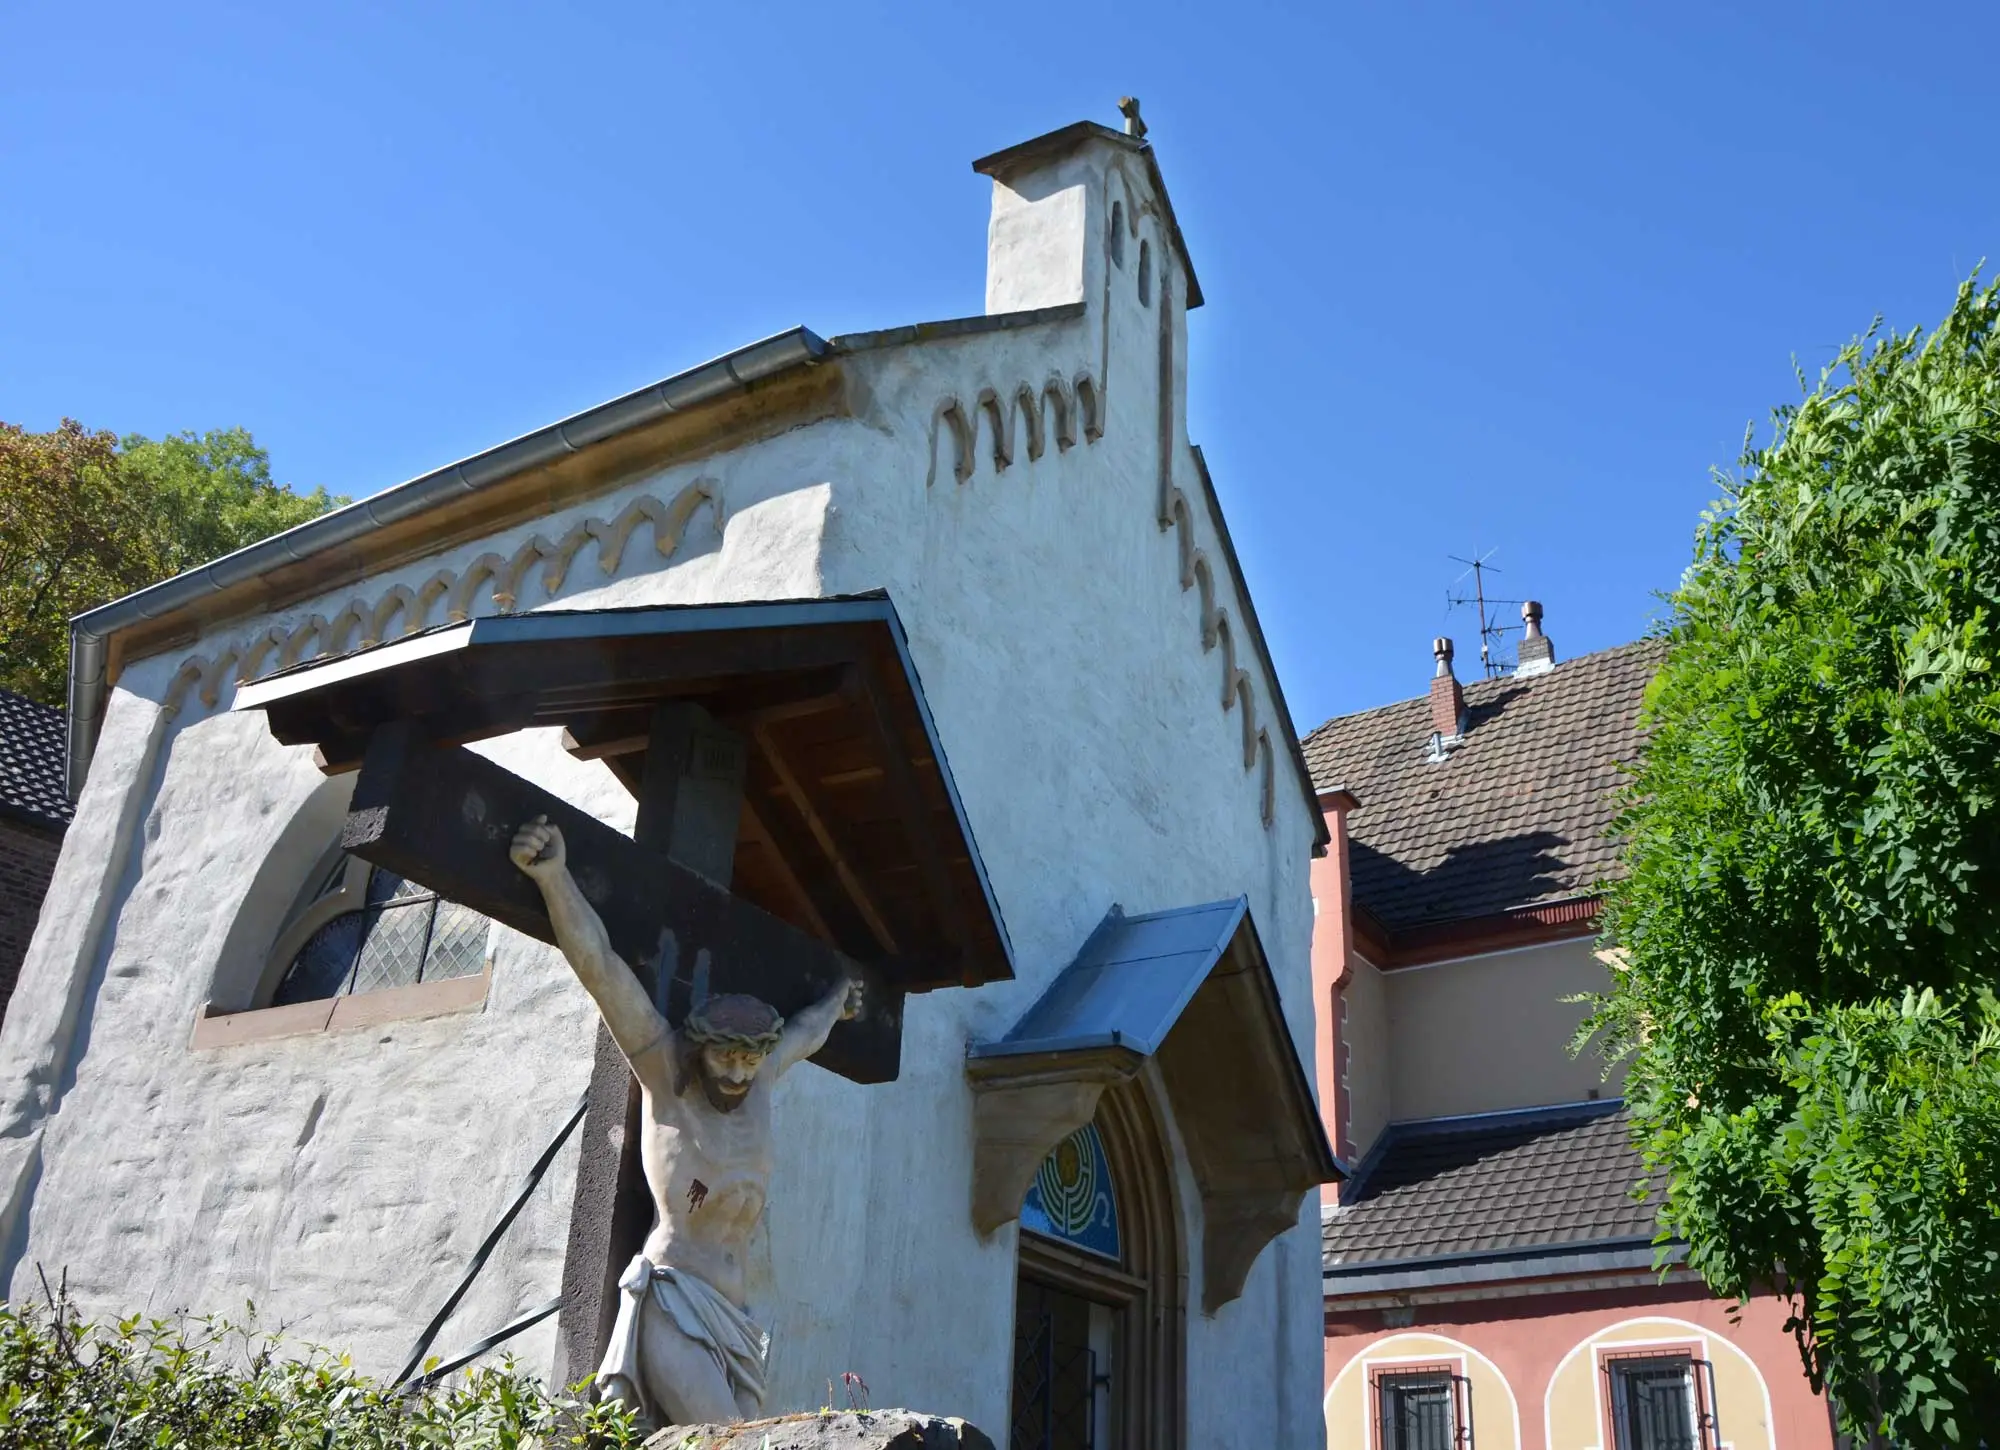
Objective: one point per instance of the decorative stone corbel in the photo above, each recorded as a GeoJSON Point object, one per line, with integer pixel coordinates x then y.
{"type": "Point", "coordinates": [1235, 1228]}
{"type": "Point", "coordinates": [1022, 1107]}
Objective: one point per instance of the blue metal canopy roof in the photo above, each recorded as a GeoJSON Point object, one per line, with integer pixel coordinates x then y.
{"type": "Point", "coordinates": [1191, 991]}
{"type": "Point", "coordinates": [1129, 984]}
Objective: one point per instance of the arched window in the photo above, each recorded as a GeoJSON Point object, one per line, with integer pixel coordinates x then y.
{"type": "Point", "coordinates": [1145, 274]}
{"type": "Point", "coordinates": [1073, 1198]}
{"type": "Point", "coordinates": [1099, 1341]}
{"type": "Point", "coordinates": [360, 928]}
{"type": "Point", "coordinates": [1117, 239]}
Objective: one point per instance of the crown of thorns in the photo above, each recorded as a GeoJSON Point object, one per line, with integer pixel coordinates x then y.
{"type": "Point", "coordinates": [734, 1020]}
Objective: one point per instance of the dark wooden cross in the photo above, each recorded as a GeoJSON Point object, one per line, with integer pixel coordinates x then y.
{"type": "Point", "coordinates": [444, 817]}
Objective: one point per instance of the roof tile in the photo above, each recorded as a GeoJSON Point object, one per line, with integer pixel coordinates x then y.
{"type": "Point", "coordinates": [1538, 1179]}
{"type": "Point", "coordinates": [32, 755]}
{"type": "Point", "coordinates": [1516, 815]}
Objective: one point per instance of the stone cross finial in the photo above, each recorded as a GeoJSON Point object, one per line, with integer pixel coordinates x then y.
{"type": "Point", "coordinates": [1128, 107]}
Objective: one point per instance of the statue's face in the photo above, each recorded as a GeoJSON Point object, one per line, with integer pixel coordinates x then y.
{"type": "Point", "coordinates": [729, 1071]}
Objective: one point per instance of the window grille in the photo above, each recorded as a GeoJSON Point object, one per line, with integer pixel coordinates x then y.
{"type": "Point", "coordinates": [1055, 1390]}
{"type": "Point", "coordinates": [1661, 1402]}
{"type": "Point", "coordinates": [1423, 1409]}
{"type": "Point", "coordinates": [362, 928]}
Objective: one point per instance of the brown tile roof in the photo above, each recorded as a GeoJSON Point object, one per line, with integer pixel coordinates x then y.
{"type": "Point", "coordinates": [1524, 1182]}
{"type": "Point", "coordinates": [32, 784]}
{"type": "Point", "coordinates": [1515, 816]}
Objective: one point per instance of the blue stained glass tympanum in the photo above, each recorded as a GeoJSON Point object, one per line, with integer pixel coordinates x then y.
{"type": "Point", "coordinates": [1072, 1199]}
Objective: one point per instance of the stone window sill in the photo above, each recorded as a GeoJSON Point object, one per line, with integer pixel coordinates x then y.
{"type": "Point", "coordinates": [337, 1014]}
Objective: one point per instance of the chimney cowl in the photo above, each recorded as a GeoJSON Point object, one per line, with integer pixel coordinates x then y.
{"type": "Point", "coordinates": [1447, 701]}
{"type": "Point", "coordinates": [1537, 654]}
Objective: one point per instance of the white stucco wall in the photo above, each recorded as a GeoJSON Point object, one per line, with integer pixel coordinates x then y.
{"type": "Point", "coordinates": [341, 1180]}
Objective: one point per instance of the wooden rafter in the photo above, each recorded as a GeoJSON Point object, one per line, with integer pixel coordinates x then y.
{"type": "Point", "coordinates": [781, 866]}
{"type": "Point", "coordinates": [819, 822]}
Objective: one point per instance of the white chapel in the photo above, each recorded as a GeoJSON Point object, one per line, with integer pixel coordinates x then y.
{"type": "Point", "coordinates": [971, 700]}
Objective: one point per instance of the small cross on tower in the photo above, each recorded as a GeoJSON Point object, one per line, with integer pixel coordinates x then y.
{"type": "Point", "coordinates": [1128, 107]}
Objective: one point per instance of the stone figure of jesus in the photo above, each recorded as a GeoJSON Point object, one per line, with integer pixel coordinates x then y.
{"type": "Point", "coordinates": [685, 1349]}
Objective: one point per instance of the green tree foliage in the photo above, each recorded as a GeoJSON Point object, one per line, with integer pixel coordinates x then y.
{"type": "Point", "coordinates": [204, 1384]}
{"type": "Point", "coordinates": [1809, 930]}
{"type": "Point", "coordinates": [85, 518]}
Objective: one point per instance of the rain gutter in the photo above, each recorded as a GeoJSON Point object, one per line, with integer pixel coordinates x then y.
{"type": "Point", "coordinates": [90, 632]}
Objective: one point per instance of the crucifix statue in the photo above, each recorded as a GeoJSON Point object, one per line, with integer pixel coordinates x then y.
{"type": "Point", "coordinates": [685, 1349]}
{"type": "Point", "coordinates": [630, 913]}
{"type": "Point", "coordinates": [786, 742]}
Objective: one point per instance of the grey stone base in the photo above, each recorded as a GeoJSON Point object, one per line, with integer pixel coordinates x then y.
{"type": "Point", "coordinates": [834, 1430]}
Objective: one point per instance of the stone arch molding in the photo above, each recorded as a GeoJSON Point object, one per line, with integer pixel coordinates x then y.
{"type": "Point", "coordinates": [400, 609]}
{"type": "Point", "coordinates": [1055, 411]}
{"type": "Point", "coordinates": [1136, 211]}
{"type": "Point", "coordinates": [1238, 692]}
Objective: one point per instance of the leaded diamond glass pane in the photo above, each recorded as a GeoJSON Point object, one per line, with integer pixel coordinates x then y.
{"type": "Point", "coordinates": [323, 964]}
{"type": "Point", "coordinates": [393, 954]}
{"type": "Point", "coordinates": [386, 886]}
{"type": "Point", "coordinates": [458, 943]}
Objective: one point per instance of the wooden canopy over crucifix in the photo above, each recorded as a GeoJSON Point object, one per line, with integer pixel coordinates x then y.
{"type": "Point", "coordinates": [797, 817]}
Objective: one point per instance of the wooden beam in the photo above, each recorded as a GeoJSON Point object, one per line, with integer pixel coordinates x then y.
{"type": "Point", "coordinates": [852, 777]}
{"type": "Point", "coordinates": [602, 749]}
{"type": "Point", "coordinates": [818, 821]}
{"type": "Point", "coordinates": [691, 792]}
{"type": "Point", "coordinates": [625, 730]}
{"type": "Point", "coordinates": [781, 865]}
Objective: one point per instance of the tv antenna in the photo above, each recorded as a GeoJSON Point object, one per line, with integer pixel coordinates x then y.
{"type": "Point", "coordinates": [1491, 631]}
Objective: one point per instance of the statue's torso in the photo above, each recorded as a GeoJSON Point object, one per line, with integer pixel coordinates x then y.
{"type": "Point", "coordinates": [708, 1171]}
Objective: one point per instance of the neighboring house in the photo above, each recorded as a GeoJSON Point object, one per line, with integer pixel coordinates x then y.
{"type": "Point", "coordinates": [34, 812]}
{"type": "Point", "coordinates": [1488, 1274]}
{"type": "Point", "coordinates": [987, 709]}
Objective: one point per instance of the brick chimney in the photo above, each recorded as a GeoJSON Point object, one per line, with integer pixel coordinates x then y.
{"type": "Point", "coordinates": [1447, 700]}
{"type": "Point", "coordinates": [1537, 654]}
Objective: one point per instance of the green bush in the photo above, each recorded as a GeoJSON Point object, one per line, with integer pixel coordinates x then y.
{"type": "Point", "coordinates": [1809, 928]}
{"type": "Point", "coordinates": [187, 1383]}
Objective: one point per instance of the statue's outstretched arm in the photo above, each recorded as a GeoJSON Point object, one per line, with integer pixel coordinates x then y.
{"type": "Point", "coordinates": [634, 1022]}
{"type": "Point", "coordinates": [806, 1030]}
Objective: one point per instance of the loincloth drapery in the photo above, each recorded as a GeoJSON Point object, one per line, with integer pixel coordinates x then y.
{"type": "Point", "coordinates": [739, 1347]}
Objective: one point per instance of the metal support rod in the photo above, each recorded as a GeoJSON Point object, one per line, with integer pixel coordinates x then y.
{"type": "Point", "coordinates": [520, 1202]}
{"type": "Point", "coordinates": [499, 1336]}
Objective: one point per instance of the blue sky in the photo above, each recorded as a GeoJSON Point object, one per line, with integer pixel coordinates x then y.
{"type": "Point", "coordinates": [1507, 277]}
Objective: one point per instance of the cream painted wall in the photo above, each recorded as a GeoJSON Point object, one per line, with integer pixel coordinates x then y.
{"type": "Point", "coordinates": [1349, 1402]}
{"type": "Point", "coordinates": [342, 1180]}
{"type": "Point", "coordinates": [1492, 1032]}
{"type": "Point", "coordinates": [1574, 1397]}
{"type": "Point", "coordinates": [1551, 1397]}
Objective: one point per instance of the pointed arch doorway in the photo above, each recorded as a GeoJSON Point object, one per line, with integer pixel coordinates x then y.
{"type": "Point", "coordinates": [1099, 1318]}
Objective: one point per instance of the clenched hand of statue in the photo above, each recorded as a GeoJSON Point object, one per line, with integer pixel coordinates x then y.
{"type": "Point", "coordinates": [685, 1349]}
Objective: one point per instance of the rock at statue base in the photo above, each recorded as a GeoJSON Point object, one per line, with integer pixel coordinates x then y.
{"type": "Point", "coordinates": [828, 1430]}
